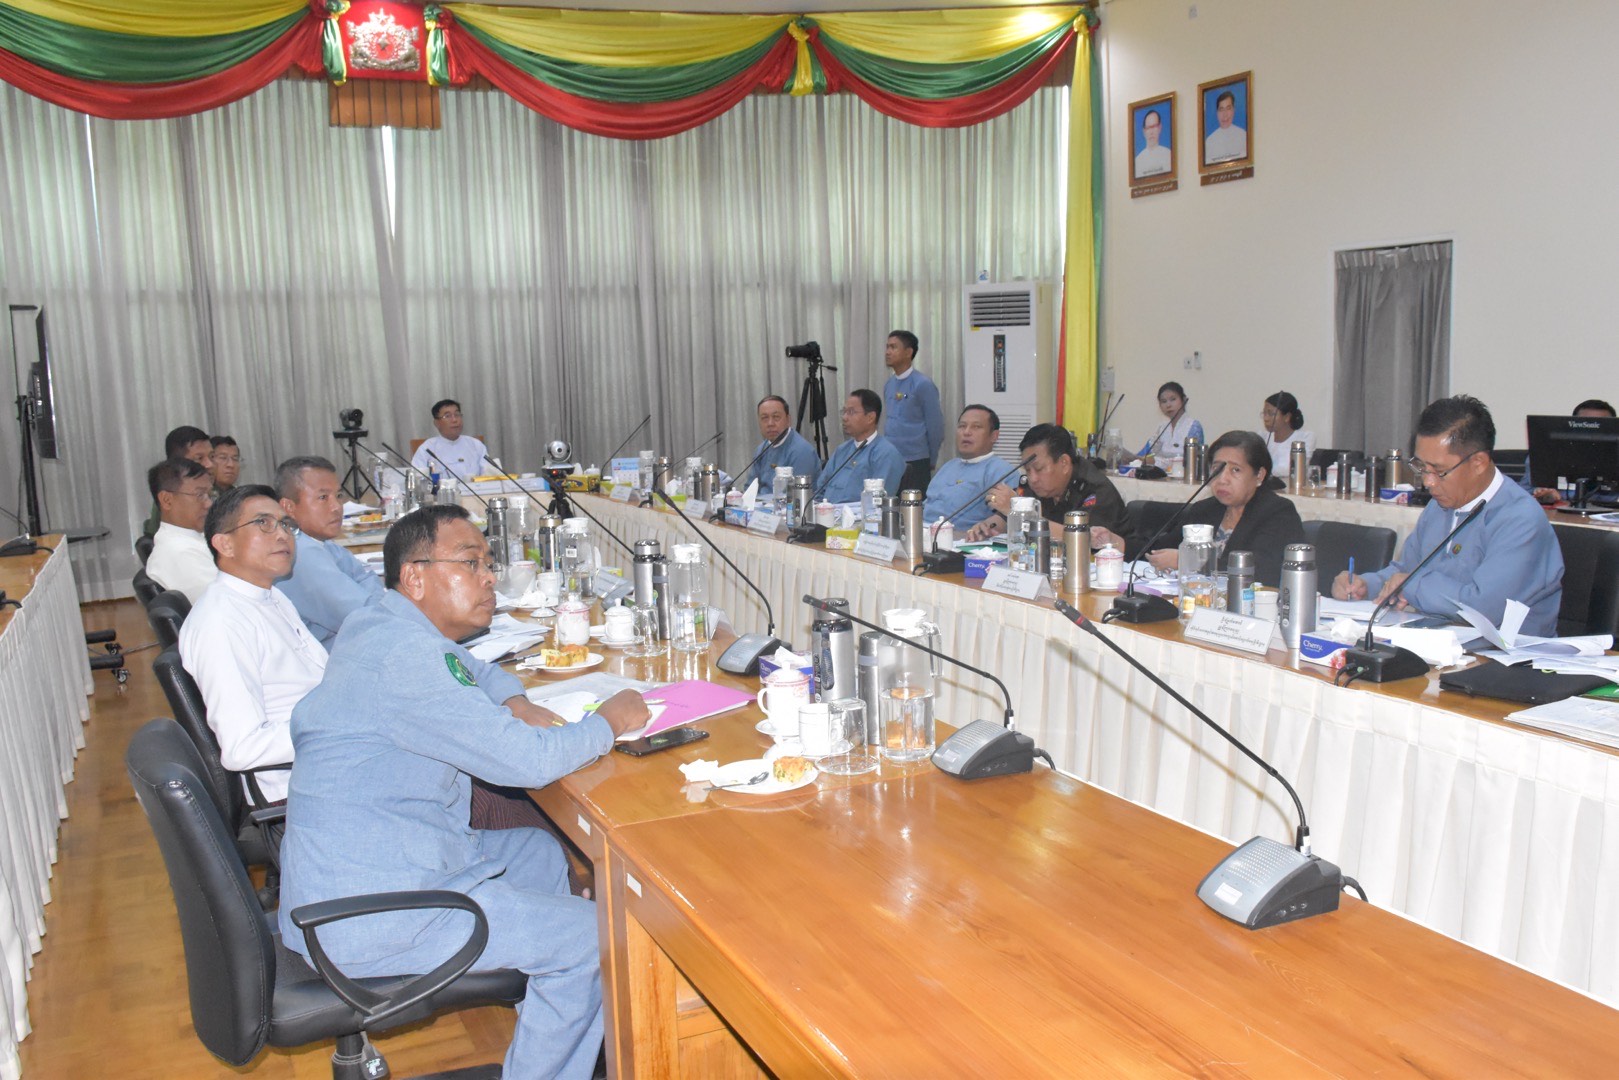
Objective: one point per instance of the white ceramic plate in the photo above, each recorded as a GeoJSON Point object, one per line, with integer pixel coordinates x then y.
{"type": "Point", "coordinates": [591, 660]}
{"type": "Point", "coordinates": [739, 771]}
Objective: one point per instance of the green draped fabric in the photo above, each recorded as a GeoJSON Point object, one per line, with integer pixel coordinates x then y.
{"type": "Point", "coordinates": [100, 55]}
{"type": "Point", "coordinates": [628, 85]}
{"type": "Point", "coordinates": [936, 81]}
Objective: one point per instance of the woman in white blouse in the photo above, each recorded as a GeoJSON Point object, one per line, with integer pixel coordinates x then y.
{"type": "Point", "coordinates": [1284, 426]}
{"type": "Point", "coordinates": [1166, 446]}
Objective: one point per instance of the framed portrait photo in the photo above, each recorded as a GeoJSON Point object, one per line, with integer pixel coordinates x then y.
{"type": "Point", "coordinates": [1152, 145]}
{"type": "Point", "coordinates": [1225, 109]}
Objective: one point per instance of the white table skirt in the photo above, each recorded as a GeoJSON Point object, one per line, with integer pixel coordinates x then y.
{"type": "Point", "coordinates": [1503, 838]}
{"type": "Point", "coordinates": [44, 688]}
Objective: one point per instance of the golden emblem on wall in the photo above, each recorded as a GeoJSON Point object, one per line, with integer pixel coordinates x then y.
{"type": "Point", "coordinates": [381, 44]}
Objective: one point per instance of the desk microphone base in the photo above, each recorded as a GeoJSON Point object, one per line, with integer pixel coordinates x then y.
{"type": "Point", "coordinates": [1141, 608]}
{"type": "Point", "coordinates": [1264, 883]}
{"type": "Point", "coordinates": [807, 534]}
{"type": "Point", "coordinates": [942, 562]}
{"type": "Point", "coordinates": [1383, 663]}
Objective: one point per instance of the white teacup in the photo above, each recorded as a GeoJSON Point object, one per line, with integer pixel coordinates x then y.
{"type": "Point", "coordinates": [785, 692]}
{"type": "Point", "coordinates": [620, 626]}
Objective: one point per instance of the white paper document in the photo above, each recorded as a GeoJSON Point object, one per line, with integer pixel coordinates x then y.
{"type": "Point", "coordinates": [1510, 638]}
{"type": "Point", "coordinates": [506, 635]}
{"type": "Point", "coordinates": [1593, 719]}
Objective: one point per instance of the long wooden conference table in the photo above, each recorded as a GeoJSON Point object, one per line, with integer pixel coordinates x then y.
{"type": "Point", "coordinates": [904, 923]}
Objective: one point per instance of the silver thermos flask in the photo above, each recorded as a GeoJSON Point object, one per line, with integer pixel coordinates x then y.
{"type": "Point", "coordinates": [1394, 470]}
{"type": "Point", "coordinates": [1298, 461]}
{"type": "Point", "coordinates": [1239, 582]}
{"type": "Point", "coordinates": [651, 574]}
{"type": "Point", "coordinates": [548, 542]}
{"type": "Point", "coordinates": [1076, 552]}
{"type": "Point", "coordinates": [1193, 464]}
{"type": "Point", "coordinates": [1346, 476]}
{"type": "Point", "coordinates": [870, 683]}
{"type": "Point", "coordinates": [1041, 542]}
{"type": "Point", "coordinates": [801, 509]}
{"type": "Point", "coordinates": [1374, 483]}
{"type": "Point", "coordinates": [910, 523]}
{"type": "Point", "coordinates": [500, 547]}
{"type": "Point", "coordinates": [889, 525]}
{"type": "Point", "coordinates": [833, 648]}
{"type": "Point", "coordinates": [708, 482]}
{"type": "Point", "coordinates": [662, 472]}
{"type": "Point", "coordinates": [1297, 598]}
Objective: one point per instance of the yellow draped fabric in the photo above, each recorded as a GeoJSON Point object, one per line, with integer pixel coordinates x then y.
{"type": "Point", "coordinates": [944, 37]}
{"type": "Point", "coordinates": [162, 18]}
{"type": "Point", "coordinates": [1079, 270]}
{"type": "Point", "coordinates": [625, 39]}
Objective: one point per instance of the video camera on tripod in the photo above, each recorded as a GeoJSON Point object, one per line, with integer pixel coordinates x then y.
{"type": "Point", "coordinates": [810, 350]}
{"type": "Point", "coordinates": [812, 398]}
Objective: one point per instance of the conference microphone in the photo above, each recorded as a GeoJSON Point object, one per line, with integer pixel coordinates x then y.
{"type": "Point", "coordinates": [1131, 608]}
{"type": "Point", "coordinates": [1263, 882]}
{"type": "Point", "coordinates": [1109, 414]}
{"type": "Point", "coordinates": [571, 504]}
{"type": "Point", "coordinates": [716, 437]}
{"type": "Point", "coordinates": [954, 562]}
{"type": "Point", "coordinates": [403, 470]}
{"type": "Point", "coordinates": [1378, 663]}
{"type": "Point", "coordinates": [982, 748]}
{"type": "Point", "coordinates": [742, 658]}
{"type": "Point", "coordinates": [645, 420]}
{"type": "Point", "coordinates": [807, 532]}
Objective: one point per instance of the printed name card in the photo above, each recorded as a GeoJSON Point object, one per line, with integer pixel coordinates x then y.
{"type": "Point", "coordinates": [878, 548]}
{"type": "Point", "coordinates": [1019, 583]}
{"type": "Point", "coordinates": [764, 522]}
{"type": "Point", "coordinates": [621, 491]}
{"type": "Point", "coordinates": [696, 507]}
{"type": "Point", "coordinates": [1230, 629]}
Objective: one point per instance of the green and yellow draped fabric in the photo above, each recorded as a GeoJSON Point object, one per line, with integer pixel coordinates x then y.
{"type": "Point", "coordinates": [628, 75]}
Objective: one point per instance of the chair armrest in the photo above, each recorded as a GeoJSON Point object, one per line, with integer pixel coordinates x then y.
{"type": "Point", "coordinates": [255, 793]}
{"type": "Point", "coordinates": [268, 815]}
{"type": "Point", "coordinates": [377, 1007]}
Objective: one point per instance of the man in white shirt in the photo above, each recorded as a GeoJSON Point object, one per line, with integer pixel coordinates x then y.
{"type": "Point", "coordinates": [244, 644]}
{"type": "Point", "coordinates": [1228, 142]}
{"type": "Point", "coordinates": [1153, 159]}
{"type": "Point", "coordinates": [184, 490]}
{"type": "Point", "coordinates": [466, 456]}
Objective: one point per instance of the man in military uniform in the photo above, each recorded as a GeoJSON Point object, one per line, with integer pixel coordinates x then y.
{"type": "Point", "coordinates": [1063, 480]}
{"type": "Point", "coordinates": [381, 784]}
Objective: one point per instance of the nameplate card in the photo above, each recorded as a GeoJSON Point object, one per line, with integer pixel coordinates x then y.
{"type": "Point", "coordinates": [1230, 629]}
{"type": "Point", "coordinates": [1019, 583]}
{"type": "Point", "coordinates": [764, 523]}
{"type": "Point", "coordinates": [610, 586]}
{"type": "Point", "coordinates": [621, 491]}
{"type": "Point", "coordinates": [877, 548]}
{"type": "Point", "coordinates": [696, 507]}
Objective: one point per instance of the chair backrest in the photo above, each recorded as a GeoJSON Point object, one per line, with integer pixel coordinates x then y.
{"type": "Point", "coordinates": [1148, 515]}
{"type": "Point", "coordinates": [166, 612]}
{"type": "Point", "coordinates": [1590, 580]}
{"type": "Point", "coordinates": [1322, 459]}
{"type": "Point", "coordinates": [143, 548]}
{"type": "Point", "coordinates": [229, 949]}
{"type": "Point", "coordinates": [1335, 541]}
{"type": "Point", "coordinates": [1510, 462]}
{"type": "Point", "coordinates": [146, 590]}
{"type": "Point", "coordinates": [185, 699]}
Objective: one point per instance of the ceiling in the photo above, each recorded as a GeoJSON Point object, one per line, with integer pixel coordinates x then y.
{"type": "Point", "coordinates": [769, 7]}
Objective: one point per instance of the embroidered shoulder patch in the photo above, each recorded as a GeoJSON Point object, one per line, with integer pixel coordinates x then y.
{"type": "Point", "coordinates": [459, 670]}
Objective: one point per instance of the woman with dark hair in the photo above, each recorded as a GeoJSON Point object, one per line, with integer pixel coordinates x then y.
{"type": "Point", "coordinates": [1166, 446]}
{"type": "Point", "coordinates": [1284, 425]}
{"type": "Point", "coordinates": [1246, 515]}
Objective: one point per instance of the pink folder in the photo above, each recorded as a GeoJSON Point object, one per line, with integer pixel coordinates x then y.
{"type": "Point", "coordinates": [693, 700]}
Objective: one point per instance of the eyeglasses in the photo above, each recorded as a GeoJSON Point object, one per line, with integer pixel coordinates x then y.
{"type": "Point", "coordinates": [472, 566]}
{"type": "Point", "coordinates": [1428, 474]}
{"type": "Point", "coordinates": [206, 496]}
{"type": "Point", "coordinates": [267, 525]}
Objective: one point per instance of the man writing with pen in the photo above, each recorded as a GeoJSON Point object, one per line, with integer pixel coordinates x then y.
{"type": "Point", "coordinates": [385, 751]}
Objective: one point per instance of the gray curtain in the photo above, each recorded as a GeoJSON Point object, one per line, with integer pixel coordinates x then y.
{"type": "Point", "coordinates": [1393, 343]}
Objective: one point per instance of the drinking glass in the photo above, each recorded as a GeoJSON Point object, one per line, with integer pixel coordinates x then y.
{"type": "Point", "coordinates": [907, 722]}
{"type": "Point", "coordinates": [849, 756]}
{"type": "Point", "coordinates": [1314, 477]}
{"type": "Point", "coordinates": [646, 641]}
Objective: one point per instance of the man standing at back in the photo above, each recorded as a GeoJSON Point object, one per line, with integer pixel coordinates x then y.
{"type": "Point", "coordinates": [466, 456]}
{"type": "Point", "coordinates": [384, 751]}
{"type": "Point", "coordinates": [326, 583]}
{"type": "Point", "coordinates": [915, 422]}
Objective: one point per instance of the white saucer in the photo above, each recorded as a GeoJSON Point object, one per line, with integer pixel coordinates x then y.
{"type": "Point", "coordinates": [766, 728]}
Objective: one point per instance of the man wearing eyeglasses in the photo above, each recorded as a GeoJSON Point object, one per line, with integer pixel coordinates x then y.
{"type": "Point", "coordinates": [1508, 553]}
{"type": "Point", "coordinates": [385, 749]}
{"type": "Point", "coordinates": [244, 644]}
{"type": "Point", "coordinates": [325, 583]}
{"type": "Point", "coordinates": [183, 491]}
{"type": "Point", "coordinates": [862, 455]}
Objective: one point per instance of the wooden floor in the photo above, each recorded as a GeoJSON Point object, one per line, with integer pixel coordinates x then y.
{"type": "Point", "coordinates": [108, 996]}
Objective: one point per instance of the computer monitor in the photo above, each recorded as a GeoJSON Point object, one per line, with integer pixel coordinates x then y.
{"type": "Point", "coordinates": [1574, 448]}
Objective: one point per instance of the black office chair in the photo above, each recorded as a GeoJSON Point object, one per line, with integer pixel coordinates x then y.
{"type": "Point", "coordinates": [1590, 580]}
{"type": "Point", "coordinates": [1511, 462]}
{"type": "Point", "coordinates": [1148, 515]}
{"type": "Point", "coordinates": [143, 548]}
{"type": "Point", "coordinates": [166, 612]}
{"type": "Point", "coordinates": [146, 590]}
{"type": "Point", "coordinates": [247, 989]}
{"type": "Point", "coordinates": [1335, 541]}
{"type": "Point", "coordinates": [258, 842]}
{"type": "Point", "coordinates": [1322, 459]}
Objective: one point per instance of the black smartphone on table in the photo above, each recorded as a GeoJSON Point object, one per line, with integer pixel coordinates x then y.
{"type": "Point", "coordinates": [663, 740]}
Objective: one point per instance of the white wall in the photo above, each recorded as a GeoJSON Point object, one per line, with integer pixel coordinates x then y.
{"type": "Point", "coordinates": [1480, 121]}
